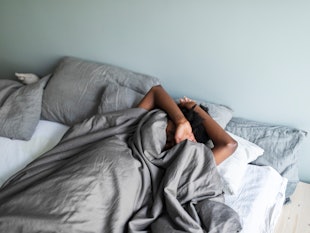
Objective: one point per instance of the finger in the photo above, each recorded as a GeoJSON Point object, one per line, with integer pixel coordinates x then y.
{"type": "Point", "coordinates": [178, 140]}
{"type": "Point", "coordinates": [187, 99]}
{"type": "Point", "coordinates": [192, 138]}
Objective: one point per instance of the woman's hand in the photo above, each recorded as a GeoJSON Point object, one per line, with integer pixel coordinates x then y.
{"type": "Point", "coordinates": [157, 97]}
{"type": "Point", "coordinates": [187, 102]}
{"type": "Point", "coordinates": [183, 131]}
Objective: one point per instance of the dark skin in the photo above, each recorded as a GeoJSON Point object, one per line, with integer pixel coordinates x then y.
{"type": "Point", "coordinates": [178, 127]}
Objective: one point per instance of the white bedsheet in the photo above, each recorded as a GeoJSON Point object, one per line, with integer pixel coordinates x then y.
{"type": "Point", "coordinates": [260, 199]}
{"type": "Point", "coordinates": [16, 154]}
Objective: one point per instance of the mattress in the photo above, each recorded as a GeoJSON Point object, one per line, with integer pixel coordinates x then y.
{"type": "Point", "coordinates": [16, 154]}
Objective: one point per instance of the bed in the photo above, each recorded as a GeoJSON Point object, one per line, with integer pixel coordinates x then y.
{"type": "Point", "coordinates": [77, 156]}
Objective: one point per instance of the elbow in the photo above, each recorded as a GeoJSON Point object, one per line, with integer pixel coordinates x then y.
{"type": "Point", "coordinates": [232, 146]}
{"type": "Point", "coordinates": [224, 151]}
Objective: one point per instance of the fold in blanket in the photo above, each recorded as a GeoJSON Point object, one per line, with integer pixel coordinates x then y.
{"type": "Point", "coordinates": [109, 174]}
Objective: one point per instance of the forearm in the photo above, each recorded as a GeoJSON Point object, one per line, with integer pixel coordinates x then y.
{"type": "Point", "coordinates": [214, 130]}
{"type": "Point", "coordinates": [224, 144]}
{"type": "Point", "coordinates": [157, 97]}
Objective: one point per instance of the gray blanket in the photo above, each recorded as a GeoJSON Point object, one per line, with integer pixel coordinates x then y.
{"type": "Point", "coordinates": [109, 174]}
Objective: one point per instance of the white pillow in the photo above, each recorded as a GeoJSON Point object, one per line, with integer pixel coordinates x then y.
{"type": "Point", "coordinates": [260, 199]}
{"type": "Point", "coordinates": [16, 154]}
{"type": "Point", "coordinates": [233, 168]}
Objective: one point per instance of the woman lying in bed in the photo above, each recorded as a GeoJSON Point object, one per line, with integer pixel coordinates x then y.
{"type": "Point", "coordinates": [179, 128]}
{"type": "Point", "coordinates": [109, 174]}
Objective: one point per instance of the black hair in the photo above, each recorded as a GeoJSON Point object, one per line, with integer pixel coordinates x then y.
{"type": "Point", "coordinates": [196, 122]}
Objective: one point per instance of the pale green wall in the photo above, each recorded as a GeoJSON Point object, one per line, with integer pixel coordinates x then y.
{"type": "Point", "coordinates": [251, 55]}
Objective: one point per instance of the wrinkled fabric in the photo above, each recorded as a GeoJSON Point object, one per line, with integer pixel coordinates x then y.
{"type": "Point", "coordinates": [77, 87]}
{"type": "Point", "coordinates": [20, 108]}
{"type": "Point", "coordinates": [280, 143]}
{"type": "Point", "coordinates": [109, 174]}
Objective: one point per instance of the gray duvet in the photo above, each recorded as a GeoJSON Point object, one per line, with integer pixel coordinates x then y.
{"type": "Point", "coordinates": [109, 174]}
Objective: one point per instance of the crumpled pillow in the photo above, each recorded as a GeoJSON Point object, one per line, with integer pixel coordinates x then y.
{"type": "Point", "coordinates": [116, 97]}
{"type": "Point", "coordinates": [234, 167]}
{"type": "Point", "coordinates": [74, 92]}
{"type": "Point", "coordinates": [280, 144]}
{"type": "Point", "coordinates": [20, 108]}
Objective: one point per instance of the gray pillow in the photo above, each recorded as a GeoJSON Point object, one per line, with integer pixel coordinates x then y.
{"type": "Point", "coordinates": [117, 97]}
{"type": "Point", "coordinates": [220, 113]}
{"type": "Point", "coordinates": [20, 108]}
{"type": "Point", "coordinates": [75, 89]}
{"type": "Point", "coordinates": [280, 144]}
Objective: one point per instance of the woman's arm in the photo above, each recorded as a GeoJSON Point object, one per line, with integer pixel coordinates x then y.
{"type": "Point", "coordinates": [224, 144]}
{"type": "Point", "coordinates": [157, 97]}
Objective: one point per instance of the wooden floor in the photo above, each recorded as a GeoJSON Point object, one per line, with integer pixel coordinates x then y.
{"type": "Point", "coordinates": [295, 217]}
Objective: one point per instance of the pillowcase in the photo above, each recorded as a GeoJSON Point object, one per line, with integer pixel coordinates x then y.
{"type": "Point", "coordinates": [117, 97]}
{"type": "Point", "coordinates": [220, 113]}
{"type": "Point", "coordinates": [20, 108]}
{"type": "Point", "coordinates": [280, 144]}
{"type": "Point", "coordinates": [75, 89]}
{"type": "Point", "coordinates": [234, 167]}
{"type": "Point", "coordinates": [16, 154]}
